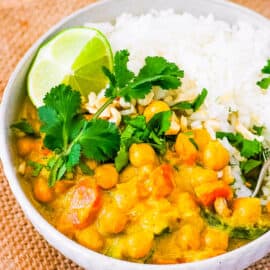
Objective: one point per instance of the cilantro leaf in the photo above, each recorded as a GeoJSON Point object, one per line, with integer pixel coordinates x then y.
{"type": "Point", "coordinates": [195, 105]}
{"type": "Point", "coordinates": [266, 68]}
{"type": "Point", "coordinates": [74, 155]}
{"type": "Point", "coordinates": [61, 106]}
{"type": "Point", "coordinates": [249, 165]}
{"type": "Point", "coordinates": [160, 122]}
{"type": "Point", "coordinates": [250, 148]}
{"type": "Point", "coordinates": [122, 74]}
{"type": "Point", "coordinates": [100, 140]}
{"type": "Point", "coordinates": [200, 99]}
{"type": "Point", "coordinates": [37, 167]}
{"type": "Point", "coordinates": [138, 131]}
{"type": "Point", "coordinates": [183, 105]}
{"type": "Point", "coordinates": [258, 130]}
{"type": "Point", "coordinates": [24, 126]}
{"type": "Point", "coordinates": [157, 71]}
{"type": "Point", "coordinates": [121, 159]}
{"type": "Point", "coordinates": [264, 83]}
{"type": "Point", "coordinates": [247, 148]}
{"type": "Point", "coordinates": [127, 138]}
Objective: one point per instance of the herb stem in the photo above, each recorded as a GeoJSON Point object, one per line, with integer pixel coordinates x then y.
{"type": "Point", "coordinates": [103, 107]}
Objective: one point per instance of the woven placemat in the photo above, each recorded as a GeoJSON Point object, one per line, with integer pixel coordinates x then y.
{"type": "Point", "coordinates": [21, 23]}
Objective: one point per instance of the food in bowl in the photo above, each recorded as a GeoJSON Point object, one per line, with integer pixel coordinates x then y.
{"type": "Point", "coordinates": [159, 165]}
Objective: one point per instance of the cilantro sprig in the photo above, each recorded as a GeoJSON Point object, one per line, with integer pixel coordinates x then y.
{"type": "Point", "coordinates": [137, 130]}
{"type": "Point", "coordinates": [264, 83]}
{"type": "Point", "coordinates": [157, 71]}
{"type": "Point", "coordinates": [70, 136]}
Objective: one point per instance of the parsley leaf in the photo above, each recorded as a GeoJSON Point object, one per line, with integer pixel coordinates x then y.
{"type": "Point", "coordinates": [264, 83]}
{"type": "Point", "coordinates": [195, 105]}
{"type": "Point", "coordinates": [24, 126]}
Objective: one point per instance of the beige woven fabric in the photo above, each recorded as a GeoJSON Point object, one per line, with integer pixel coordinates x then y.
{"type": "Point", "coordinates": [21, 23]}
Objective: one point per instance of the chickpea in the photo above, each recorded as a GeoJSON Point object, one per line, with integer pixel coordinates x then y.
{"type": "Point", "coordinates": [200, 175]}
{"type": "Point", "coordinates": [90, 238]}
{"type": "Point", "coordinates": [216, 239]}
{"type": "Point", "coordinates": [215, 156]}
{"type": "Point", "coordinates": [188, 237]}
{"type": "Point", "coordinates": [154, 107]}
{"type": "Point", "coordinates": [144, 171]}
{"type": "Point", "coordinates": [42, 191]}
{"type": "Point", "coordinates": [185, 149]}
{"type": "Point", "coordinates": [63, 186]}
{"type": "Point", "coordinates": [138, 245]}
{"type": "Point", "coordinates": [186, 205]}
{"type": "Point", "coordinates": [221, 207]}
{"type": "Point", "coordinates": [112, 220]}
{"type": "Point", "coordinates": [128, 173]}
{"type": "Point", "coordinates": [106, 176]}
{"type": "Point", "coordinates": [25, 146]}
{"type": "Point", "coordinates": [246, 211]}
{"type": "Point", "coordinates": [142, 154]}
{"type": "Point", "coordinates": [163, 180]}
{"type": "Point", "coordinates": [201, 137]}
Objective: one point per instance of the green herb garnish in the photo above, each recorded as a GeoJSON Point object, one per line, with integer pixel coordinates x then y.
{"type": "Point", "coordinates": [264, 83]}
{"type": "Point", "coordinates": [138, 131]}
{"type": "Point", "coordinates": [195, 105]}
{"type": "Point", "coordinates": [24, 126]}
{"type": "Point", "coordinates": [243, 232]}
{"type": "Point", "coordinates": [247, 148]}
{"type": "Point", "coordinates": [69, 135]}
{"type": "Point", "coordinates": [37, 167]}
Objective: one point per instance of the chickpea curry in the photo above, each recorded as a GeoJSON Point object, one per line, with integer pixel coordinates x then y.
{"type": "Point", "coordinates": [151, 190]}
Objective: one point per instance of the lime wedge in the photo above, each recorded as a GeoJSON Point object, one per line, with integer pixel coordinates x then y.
{"type": "Point", "coordinates": [75, 57]}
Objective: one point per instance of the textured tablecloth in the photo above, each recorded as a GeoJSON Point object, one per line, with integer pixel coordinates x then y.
{"type": "Point", "coordinates": [21, 23]}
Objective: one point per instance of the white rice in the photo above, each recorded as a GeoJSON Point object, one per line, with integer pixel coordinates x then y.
{"type": "Point", "coordinates": [225, 59]}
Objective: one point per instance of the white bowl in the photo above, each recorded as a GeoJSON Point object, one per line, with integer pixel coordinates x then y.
{"type": "Point", "coordinates": [15, 91]}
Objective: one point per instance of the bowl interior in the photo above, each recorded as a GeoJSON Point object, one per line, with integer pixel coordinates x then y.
{"type": "Point", "coordinates": [15, 91]}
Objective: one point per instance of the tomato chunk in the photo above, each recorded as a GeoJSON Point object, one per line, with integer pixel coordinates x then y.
{"type": "Point", "coordinates": [84, 202]}
{"type": "Point", "coordinates": [208, 192]}
{"type": "Point", "coordinates": [163, 183]}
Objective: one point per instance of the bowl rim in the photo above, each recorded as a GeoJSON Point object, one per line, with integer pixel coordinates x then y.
{"type": "Point", "coordinates": [48, 232]}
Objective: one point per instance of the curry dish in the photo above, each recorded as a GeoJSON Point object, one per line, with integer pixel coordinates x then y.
{"type": "Point", "coordinates": [141, 163]}
{"type": "Point", "coordinates": [153, 210]}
